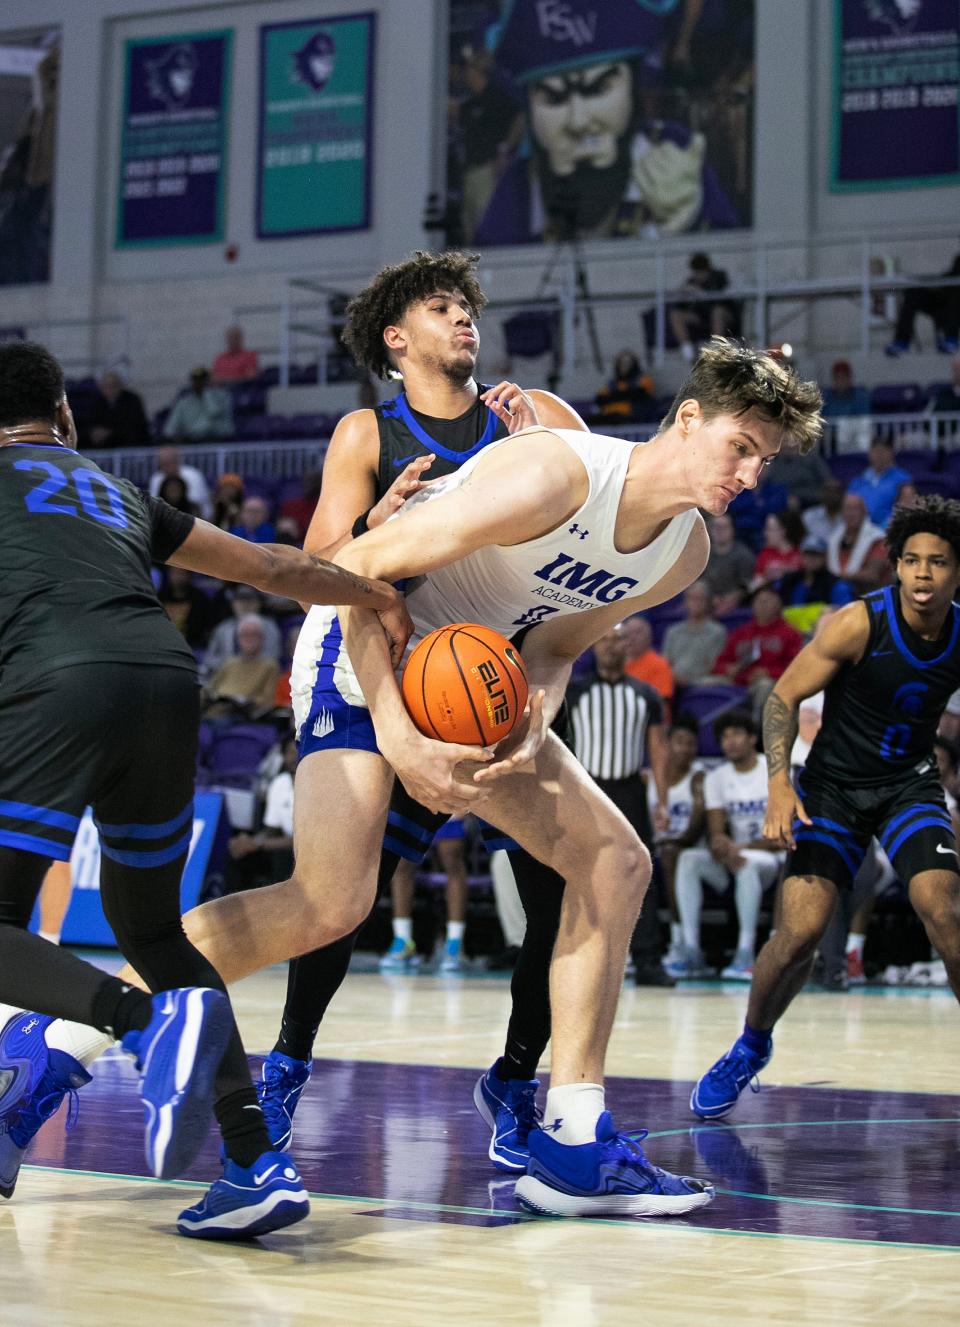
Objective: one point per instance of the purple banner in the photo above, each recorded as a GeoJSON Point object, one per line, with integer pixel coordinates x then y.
{"type": "Point", "coordinates": [895, 94]}
{"type": "Point", "coordinates": [173, 149]}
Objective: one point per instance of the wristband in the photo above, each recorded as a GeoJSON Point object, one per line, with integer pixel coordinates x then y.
{"type": "Point", "coordinates": [360, 526]}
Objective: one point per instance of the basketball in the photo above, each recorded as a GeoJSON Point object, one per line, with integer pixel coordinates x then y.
{"type": "Point", "coordinates": [465, 683]}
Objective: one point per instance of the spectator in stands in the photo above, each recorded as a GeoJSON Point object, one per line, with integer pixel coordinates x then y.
{"type": "Point", "coordinates": [190, 610]}
{"type": "Point", "coordinates": [245, 602]}
{"type": "Point", "coordinates": [174, 492]}
{"type": "Point", "coordinates": [813, 583]}
{"type": "Point", "coordinates": [757, 653]}
{"type": "Point", "coordinates": [879, 483]}
{"type": "Point", "coordinates": [907, 494]}
{"type": "Point", "coordinates": [691, 647]}
{"type": "Point", "coordinates": [735, 794]}
{"type": "Point", "coordinates": [802, 476]}
{"type": "Point", "coordinates": [643, 663]}
{"type": "Point", "coordinates": [842, 399]}
{"type": "Point", "coordinates": [245, 683]}
{"type": "Point", "coordinates": [266, 855]}
{"type": "Point", "coordinates": [782, 536]}
{"type": "Point", "coordinates": [941, 303]}
{"type": "Point", "coordinates": [822, 520]}
{"type": "Point", "coordinates": [729, 566]}
{"type": "Point", "coordinates": [628, 396]}
{"type": "Point", "coordinates": [227, 501]}
{"type": "Point", "coordinates": [117, 417]}
{"type": "Point", "coordinates": [301, 509]}
{"type": "Point", "coordinates": [202, 413]}
{"type": "Point", "coordinates": [282, 697]}
{"type": "Point", "coordinates": [255, 524]}
{"type": "Point", "coordinates": [235, 364]}
{"type": "Point", "coordinates": [169, 462]}
{"type": "Point", "coordinates": [857, 550]}
{"type": "Point", "coordinates": [693, 323]}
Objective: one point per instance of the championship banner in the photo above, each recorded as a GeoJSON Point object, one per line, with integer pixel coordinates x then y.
{"type": "Point", "coordinates": [314, 153]}
{"type": "Point", "coordinates": [85, 923]}
{"type": "Point", "coordinates": [896, 71]}
{"type": "Point", "coordinates": [174, 141]}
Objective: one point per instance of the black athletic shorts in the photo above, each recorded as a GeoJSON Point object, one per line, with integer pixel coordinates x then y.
{"type": "Point", "coordinates": [909, 818]}
{"type": "Point", "coordinates": [119, 737]}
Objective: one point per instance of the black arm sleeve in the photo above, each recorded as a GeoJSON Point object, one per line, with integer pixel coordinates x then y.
{"type": "Point", "coordinates": [169, 527]}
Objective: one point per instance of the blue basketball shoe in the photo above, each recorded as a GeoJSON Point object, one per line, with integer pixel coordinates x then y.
{"type": "Point", "coordinates": [509, 1108]}
{"type": "Point", "coordinates": [282, 1080]}
{"type": "Point", "coordinates": [33, 1083]}
{"type": "Point", "coordinates": [248, 1201]}
{"type": "Point", "coordinates": [718, 1091]}
{"type": "Point", "coordinates": [611, 1177]}
{"type": "Point", "coordinates": [178, 1054]}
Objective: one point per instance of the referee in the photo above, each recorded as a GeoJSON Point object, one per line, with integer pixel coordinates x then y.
{"type": "Point", "coordinates": [613, 718]}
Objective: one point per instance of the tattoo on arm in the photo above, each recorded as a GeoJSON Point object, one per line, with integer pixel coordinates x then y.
{"type": "Point", "coordinates": [780, 723]}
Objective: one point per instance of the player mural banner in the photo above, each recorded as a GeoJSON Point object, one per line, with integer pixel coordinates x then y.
{"type": "Point", "coordinates": [316, 116]}
{"type": "Point", "coordinates": [174, 141]}
{"type": "Point", "coordinates": [84, 923]}
{"type": "Point", "coordinates": [575, 119]}
{"type": "Point", "coordinates": [896, 71]}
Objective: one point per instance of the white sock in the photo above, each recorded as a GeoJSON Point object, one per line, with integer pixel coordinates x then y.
{"type": "Point", "coordinates": [403, 928]}
{"type": "Point", "coordinates": [676, 935]}
{"type": "Point", "coordinates": [572, 1112]}
{"type": "Point", "coordinates": [52, 936]}
{"type": "Point", "coordinates": [855, 944]}
{"type": "Point", "coordinates": [84, 1043]}
{"type": "Point", "coordinates": [455, 930]}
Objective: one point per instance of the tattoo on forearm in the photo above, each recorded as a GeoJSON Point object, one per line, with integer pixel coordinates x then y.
{"type": "Point", "coordinates": [356, 582]}
{"type": "Point", "coordinates": [780, 724]}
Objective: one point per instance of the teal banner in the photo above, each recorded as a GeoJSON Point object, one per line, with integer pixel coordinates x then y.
{"type": "Point", "coordinates": [173, 148]}
{"type": "Point", "coordinates": [316, 90]}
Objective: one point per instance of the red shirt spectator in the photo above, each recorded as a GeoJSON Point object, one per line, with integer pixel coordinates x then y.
{"type": "Point", "coordinates": [782, 536]}
{"type": "Point", "coordinates": [235, 364]}
{"type": "Point", "coordinates": [761, 648]}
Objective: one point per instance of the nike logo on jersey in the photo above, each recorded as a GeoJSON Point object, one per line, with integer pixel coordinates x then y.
{"type": "Point", "coordinates": [880, 654]}
{"type": "Point", "coordinates": [405, 460]}
{"type": "Point", "coordinates": [265, 1175]}
{"type": "Point", "coordinates": [947, 852]}
{"type": "Point", "coordinates": [324, 723]}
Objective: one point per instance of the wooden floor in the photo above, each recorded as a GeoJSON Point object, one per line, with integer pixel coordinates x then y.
{"type": "Point", "coordinates": [836, 1184]}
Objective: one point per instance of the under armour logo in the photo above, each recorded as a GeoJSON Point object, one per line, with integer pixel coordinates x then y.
{"type": "Point", "coordinates": [28, 1027]}
{"type": "Point", "coordinates": [554, 1127]}
{"type": "Point", "coordinates": [575, 529]}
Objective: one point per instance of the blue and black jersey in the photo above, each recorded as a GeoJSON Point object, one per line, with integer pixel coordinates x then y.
{"type": "Point", "coordinates": [76, 546]}
{"type": "Point", "coordinates": [880, 715]}
{"type": "Point", "coordinates": [406, 434]}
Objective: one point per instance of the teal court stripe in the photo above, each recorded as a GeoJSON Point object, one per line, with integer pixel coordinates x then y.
{"type": "Point", "coordinates": [523, 1217]}
{"type": "Point", "coordinates": [827, 1202]}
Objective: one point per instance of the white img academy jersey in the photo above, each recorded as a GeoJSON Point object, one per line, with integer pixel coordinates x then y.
{"type": "Point", "coordinates": [742, 796]}
{"type": "Point", "coordinates": [571, 570]}
{"type": "Point", "coordinates": [679, 802]}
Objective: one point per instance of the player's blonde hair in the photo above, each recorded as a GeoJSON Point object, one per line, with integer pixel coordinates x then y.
{"type": "Point", "coordinates": [731, 377]}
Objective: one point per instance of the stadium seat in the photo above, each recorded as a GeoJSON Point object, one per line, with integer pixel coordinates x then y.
{"type": "Point", "coordinates": [235, 753]}
{"type": "Point", "coordinates": [902, 398]}
{"type": "Point", "coordinates": [706, 703]}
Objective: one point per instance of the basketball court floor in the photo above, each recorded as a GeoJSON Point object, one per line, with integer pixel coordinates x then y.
{"type": "Point", "coordinates": [837, 1185]}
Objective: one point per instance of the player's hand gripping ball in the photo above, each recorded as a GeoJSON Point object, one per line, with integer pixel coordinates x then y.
{"type": "Point", "coordinates": [465, 683]}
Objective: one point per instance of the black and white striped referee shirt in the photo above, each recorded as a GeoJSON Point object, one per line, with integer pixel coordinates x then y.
{"type": "Point", "coordinates": [608, 722]}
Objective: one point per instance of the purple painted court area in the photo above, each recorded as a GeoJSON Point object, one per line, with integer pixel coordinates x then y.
{"type": "Point", "coordinates": [816, 1161]}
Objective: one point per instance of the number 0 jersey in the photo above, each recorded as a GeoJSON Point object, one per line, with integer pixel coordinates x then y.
{"type": "Point", "coordinates": [880, 715]}
{"type": "Point", "coordinates": [76, 546]}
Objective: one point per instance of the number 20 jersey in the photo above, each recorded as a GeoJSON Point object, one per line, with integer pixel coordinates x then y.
{"type": "Point", "coordinates": [75, 552]}
{"type": "Point", "coordinates": [880, 715]}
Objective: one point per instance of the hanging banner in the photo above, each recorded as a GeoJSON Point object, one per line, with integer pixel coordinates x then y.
{"type": "Point", "coordinates": [896, 72]}
{"type": "Point", "coordinates": [316, 90]}
{"type": "Point", "coordinates": [174, 141]}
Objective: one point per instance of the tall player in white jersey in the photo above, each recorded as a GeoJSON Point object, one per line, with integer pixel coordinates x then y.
{"type": "Point", "coordinates": [572, 533]}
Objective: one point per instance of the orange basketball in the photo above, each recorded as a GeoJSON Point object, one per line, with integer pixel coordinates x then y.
{"type": "Point", "coordinates": [465, 683]}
